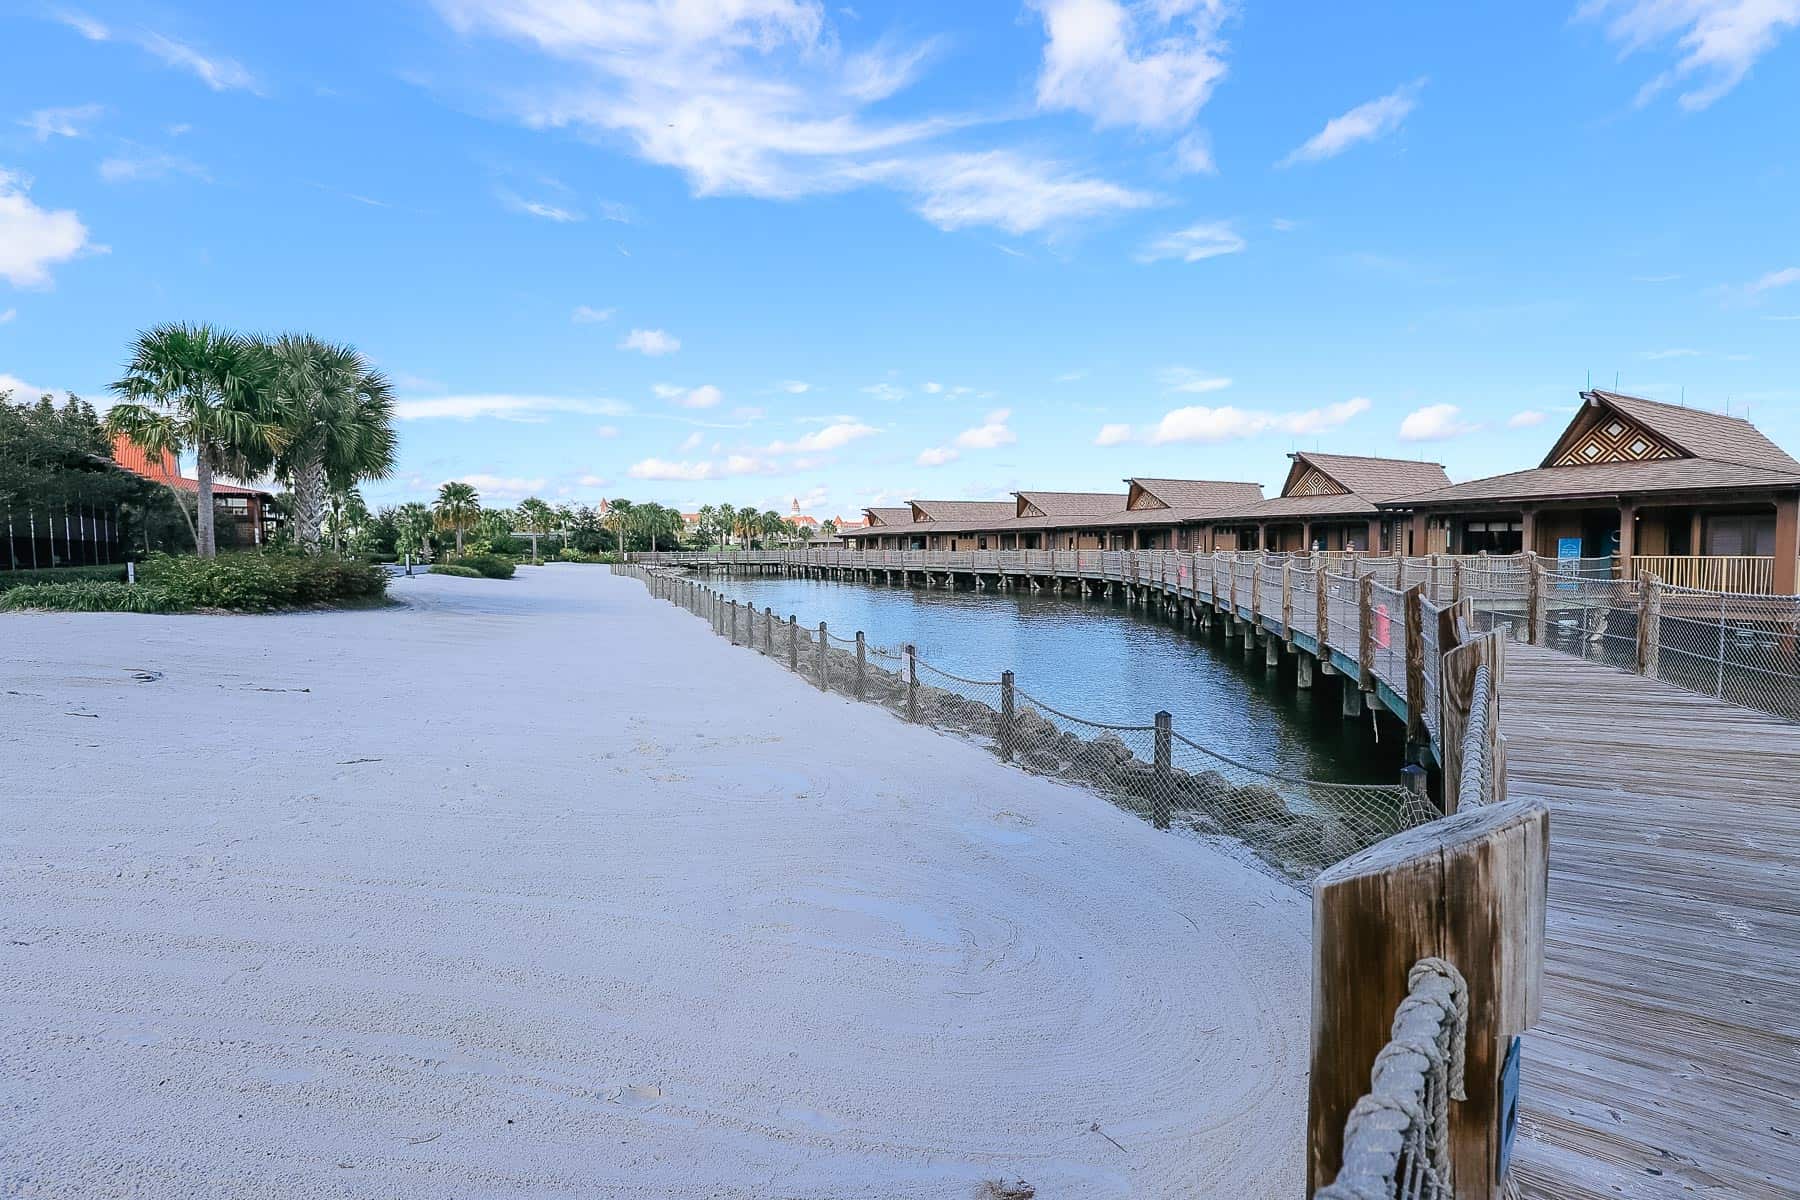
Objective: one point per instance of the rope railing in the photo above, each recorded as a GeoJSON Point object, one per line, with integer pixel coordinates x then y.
{"type": "Point", "coordinates": [1297, 826]}
{"type": "Point", "coordinates": [1397, 1137]}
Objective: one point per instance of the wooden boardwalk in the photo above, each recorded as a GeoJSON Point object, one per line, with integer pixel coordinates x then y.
{"type": "Point", "coordinates": [1667, 1062]}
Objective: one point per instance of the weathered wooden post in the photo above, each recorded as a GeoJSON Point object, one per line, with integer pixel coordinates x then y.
{"type": "Point", "coordinates": [1163, 780]}
{"type": "Point", "coordinates": [1534, 597]}
{"type": "Point", "coordinates": [733, 610]}
{"type": "Point", "coordinates": [1456, 582]}
{"type": "Point", "coordinates": [1418, 734]}
{"type": "Point", "coordinates": [1008, 710]}
{"type": "Point", "coordinates": [1649, 625]}
{"type": "Point", "coordinates": [862, 663]}
{"type": "Point", "coordinates": [793, 643]}
{"type": "Point", "coordinates": [1365, 603]}
{"type": "Point", "coordinates": [1468, 889]}
{"type": "Point", "coordinates": [824, 650]}
{"type": "Point", "coordinates": [1322, 611]}
{"type": "Point", "coordinates": [912, 684]}
{"type": "Point", "coordinates": [1287, 597]}
{"type": "Point", "coordinates": [768, 631]}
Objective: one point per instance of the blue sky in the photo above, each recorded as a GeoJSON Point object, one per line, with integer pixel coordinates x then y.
{"type": "Point", "coordinates": [753, 250]}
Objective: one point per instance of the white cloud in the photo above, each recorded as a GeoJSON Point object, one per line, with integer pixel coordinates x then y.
{"type": "Point", "coordinates": [1148, 65]}
{"type": "Point", "coordinates": [1008, 191]}
{"type": "Point", "coordinates": [540, 209]}
{"type": "Point", "coordinates": [594, 481]}
{"type": "Point", "coordinates": [607, 431]}
{"type": "Point", "coordinates": [1186, 379]}
{"type": "Point", "coordinates": [885, 391]}
{"type": "Point", "coordinates": [1773, 280]}
{"type": "Point", "coordinates": [216, 72]}
{"type": "Point", "coordinates": [1525, 419]}
{"type": "Point", "coordinates": [1199, 423]}
{"type": "Point", "coordinates": [8, 315]}
{"type": "Point", "coordinates": [1364, 123]}
{"type": "Point", "coordinates": [1675, 353]}
{"type": "Point", "coordinates": [937, 456]}
{"type": "Point", "coordinates": [796, 387]}
{"type": "Point", "coordinates": [1194, 156]}
{"type": "Point", "coordinates": [991, 434]}
{"type": "Point", "coordinates": [148, 165]}
{"type": "Point", "coordinates": [1718, 41]}
{"type": "Point", "coordinates": [834, 436]}
{"type": "Point", "coordinates": [20, 389]}
{"type": "Point", "coordinates": [729, 467]}
{"type": "Point", "coordinates": [33, 239]}
{"type": "Point", "coordinates": [586, 315]}
{"type": "Point", "coordinates": [692, 442]}
{"type": "Point", "coordinates": [654, 342]}
{"type": "Point", "coordinates": [1208, 239]}
{"type": "Point", "coordinates": [704, 396]}
{"type": "Point", "coordinates": [1112, 435]}
{"type": "Point", "coordinates": [70, 122]}
{"type": "Point", "coordinates": [933, 388]}
{"type": "Point", "coordinates": [494, 487]}
{"type": "Point", "coordinates": [1435, 423]}
{"type": "Point", "coordinates": [530, 409]}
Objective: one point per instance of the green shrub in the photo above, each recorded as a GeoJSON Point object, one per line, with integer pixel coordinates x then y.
{"type": "Point", "coordinates": [492, 566]}
{"type": "Point", "coordinates": [453, 569]}
{"type": "Point", "coordinates": [257, 582]}
{"type": "Point", "coordinates": [90, 596]}
{"type": "Point", "coordinates": [114, 573]}
{"type": "Point", "coordinates": [577, 556]}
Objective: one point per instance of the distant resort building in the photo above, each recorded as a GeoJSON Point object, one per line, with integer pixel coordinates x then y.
{"type": "Point", "coordinates": [1696, 498]}
{"type": "Point", "coordinates": [243, 516]}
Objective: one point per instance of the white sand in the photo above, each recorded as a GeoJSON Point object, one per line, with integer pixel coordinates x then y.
{"type": "Point", "coordinates": [618, 911]}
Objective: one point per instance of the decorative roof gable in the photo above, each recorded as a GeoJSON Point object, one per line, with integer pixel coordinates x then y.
{"type": "Point", "coordinates": [1313, 482]}
{"type": "Point", "coordinates": [1600, 435]}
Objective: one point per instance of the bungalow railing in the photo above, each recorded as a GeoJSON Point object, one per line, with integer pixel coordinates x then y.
{"type": "Point", "coordinates": [1708, 572]}
{"type": "Point", "coordinates": [1741, 646]}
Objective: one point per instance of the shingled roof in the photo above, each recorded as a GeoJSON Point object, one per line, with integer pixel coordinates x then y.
{"type": "Point", "coordinates": [1195, 494]}
{"type": "Point", "coordinates": [1684, 450]}
{"type": "Point", "coordinates": [901, 515]}
{"type": "Point", "coordinates": [969, 514]}
{"type": "Point", "coordinates": [1070, 504]}
{"type": "Point", "coordinates": [1340, 485]}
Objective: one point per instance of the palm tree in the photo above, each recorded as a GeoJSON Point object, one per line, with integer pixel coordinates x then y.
{"type": "Point", "coordinates": [340, 424]}
{"type": "Point", "coordinates": [621, 518]}
{"type": "Point", "coordinates": [458, 508]}
{"type": "Point", "coordinates": [773, 524]}
{"type": "Point", "coordinates": [412, 528]}
{"type": "Point", "coordinates": [727, 524]}
{"type": "Point", "coordinates": [345, 516]}
{"type": "Point", "coordinates": [708, 524]}
{"type": "Point", "coordinates": [193, 388]}
{"type": "Point", "coordinates": [538, 518]}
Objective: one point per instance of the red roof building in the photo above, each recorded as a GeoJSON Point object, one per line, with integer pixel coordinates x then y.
{"type": "Point", "coordinates": [249, 512]}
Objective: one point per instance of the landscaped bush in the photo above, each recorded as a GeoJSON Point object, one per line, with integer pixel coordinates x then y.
{"type": "Point", "coordinates": [257, 582]}
{"type": "Point", "coordinates": [13, 579]}
{"type": "Point", "coordinates": [492, 566]}
{"type": "Point", "coordinates": [453, 569]}
{"type": "Point", "coordinates": [576, 556]}
{"type": "Point", "coordinates": [90, 596]}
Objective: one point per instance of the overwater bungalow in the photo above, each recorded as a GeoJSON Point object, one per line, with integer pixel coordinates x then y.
{"type": "Point", "coordinates": [1328, 502]}
{"type": "Point", "coordinates": [1697, 498]}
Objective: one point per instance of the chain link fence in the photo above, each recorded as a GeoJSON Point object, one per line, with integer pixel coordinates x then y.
{"type": "Point", "coordinates": [1744, 649]}
{"type": "Point", "coordinates": [1296, 826]}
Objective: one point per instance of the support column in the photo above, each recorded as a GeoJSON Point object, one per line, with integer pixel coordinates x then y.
{"type": "Point", "coordinates": [1787, 544]}
{"type": "Point", "coordinates": [1353, 697]}
{"type": "Point", "coordinates": [1303, 671]}
{"type": "Point", "coordinates": [1627, 539]}
{"type": "Point", "coordinates": [1528, 530]}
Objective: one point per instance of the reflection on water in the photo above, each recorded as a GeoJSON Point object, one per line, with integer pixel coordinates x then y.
{"type": "Point", "coordinates": [1104, 662]}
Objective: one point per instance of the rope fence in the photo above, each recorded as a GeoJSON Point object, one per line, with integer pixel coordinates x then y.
{"type": "Point", "coordinates": [1297, 826]}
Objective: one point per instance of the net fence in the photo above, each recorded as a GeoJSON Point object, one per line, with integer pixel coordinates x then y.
{"type": "Point", "coordinates": [1744, 649]}
{"type": "Point", "coordinates": [1173, 779]}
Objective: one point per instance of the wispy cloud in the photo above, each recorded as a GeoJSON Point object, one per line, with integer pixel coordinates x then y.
{"type": "Point", "coordinates": [795, 387]}
{"type": "Point", "coordinates": [704, 396]}
{"type": "Point", "coordinates": [1200, 423]}
{"type": "Point", "coordinates": [1186, 379]}
{"type": "Point", "coordinates": [141, 166]}
{"type": "Point", "coordinates": [505, 407]}
{"type": "Point", "coordinates": [217, 72]}
{"type": "Point", "coordinates": [1209, 239]}
{"type": "Point", "coordinates": [34, 239]}
{"type": "Point", "coordinates": [498, 487]}
{"type": "Point", "coordinates": [936, 456]}
{"type": "Point", "coordinates": [1773, 280]}
{"type": "Point", "coordinates": [587, 315]}
{"type": "Point", "coordinates": [1113, 435]}
{"type": "Point", "coordinates": [835, 436]}
{"type": "Point", "coordinates": [1435, 423]}
{"type": "Point", "coordinates": [540, 209]}
{"type": "Point", "coordinates": [1148, 65]}
{"type": "Point", "coordinates": [653, 342]}
{"type": "Point", "coordinates": [1364, 123]}
{"type": "Point", "coordinates": [992, 433]}
{"type": "Point", "coordinates": [1525, 419]}
{"type": "Point", "coordinates": [71, 122]}
{"type": "Point", "coordinates": [1716, 42]}
{"type": "Point", "coordinates": [729, 467]}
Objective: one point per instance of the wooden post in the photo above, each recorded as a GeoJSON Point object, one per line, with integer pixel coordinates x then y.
{"type": "Point", "coordinates": [768, 631]}
{"type": "Point", "coordinates": [1008, 710]}
{"type": "Point", "coordinates": [1534, 597]}
{"type": "Point", "coordinates": [1469, 889]}
{"type": "Point", "coordinates": [1321, 613]}
{"type": "Point", "coordinates": [1287, 598]}
{"type": "Point", "coordinates": [793, 643]}
{"type": "Point", "coordinates": [1256, 593]}
{"type": "Point", "coordinates": [1456, 585]}
{"type": "Point", "coordinates": [1418, 734]}
{"type": "Point", "coordinates": [912, 684]}
{"type": "Point", "coordinates": [1163, 768]}
{"type": "Point", "coordinates": [1649, 630]}
{"type": "Point", "coordinates": [1365, 603]}
{"type": "Point", "coordinates": [734, 616]}
{"type": "Point", "coordinates": [824, 661]}
{"type": "Point", "coordinates": [862, 663]}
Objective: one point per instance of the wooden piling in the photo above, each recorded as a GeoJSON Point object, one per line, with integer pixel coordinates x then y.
{"type": "Point", "coordinates": [1008, 711]}
{"type": "Point", "coordinates": [1163, 767]}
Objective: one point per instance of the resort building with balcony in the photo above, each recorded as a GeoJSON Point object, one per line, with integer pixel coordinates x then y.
{"type": "Point", "coordinates": [244, 516]}
{"type": "Point", "coordinates": [1698, 499]}
{"type": "Point", "coordinates": [1328, 502]}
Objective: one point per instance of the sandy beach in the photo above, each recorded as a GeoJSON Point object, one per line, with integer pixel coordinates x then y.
{"type": "Point", "coordinates": [536, 888]}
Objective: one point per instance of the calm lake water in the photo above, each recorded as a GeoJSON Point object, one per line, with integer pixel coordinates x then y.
{"type": "Point", "coordinates": [1104, 662]}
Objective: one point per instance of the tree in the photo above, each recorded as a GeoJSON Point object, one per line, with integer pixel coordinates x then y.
{"type": "Point", "coordinates": [538, 518]}
{"type": "Point", "coordinates": [709, 524]}
{"type": "Point", "coordinates": [345, 517]}
{"type": "Point", "coordinates": [727, 518]}
{"type": "Point", "coordinates": [193, 388]}
{"type": "Point", "coordinates": [412, 529]}
{"type": "Point", "coordinates": [457, 510]}
{"type": "Point", "coordinates": [339, 424]}
{"type": "Point", "coordinates": [773, 525]}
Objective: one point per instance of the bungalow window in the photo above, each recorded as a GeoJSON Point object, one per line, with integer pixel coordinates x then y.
{"type": "Point", "coordinates": [1493, 537]}
{"type": "Point", "coordinates": [1738, 534]}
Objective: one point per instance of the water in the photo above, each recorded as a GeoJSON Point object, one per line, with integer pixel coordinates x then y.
{"type": "Point", "coordinates": [1101, 661]}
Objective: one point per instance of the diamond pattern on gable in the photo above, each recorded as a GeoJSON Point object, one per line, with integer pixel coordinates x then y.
{"type": "Point", "coordinates": [1616, 441]}
{"type": "Point", "coordinates": [1315, 482]}
{"type": "Point", "coordinates": [1141, 499]}
{"type": "Point", "coordinates": [1029, 509]}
